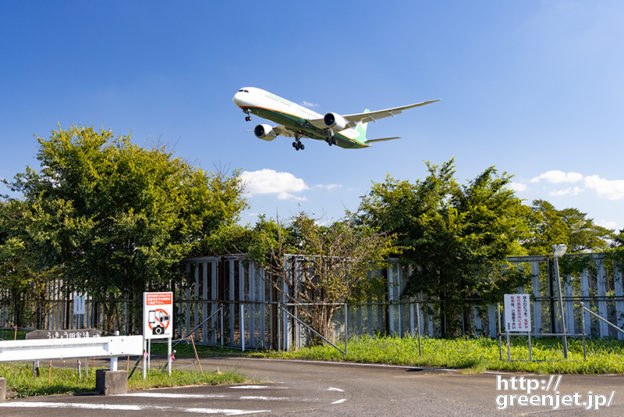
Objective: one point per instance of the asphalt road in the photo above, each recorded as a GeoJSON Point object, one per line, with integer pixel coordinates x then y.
{"type": "Point", "coordinates": [299, 388]}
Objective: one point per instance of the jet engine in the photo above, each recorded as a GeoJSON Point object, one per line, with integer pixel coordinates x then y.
{"type": "Point", "coordinates": [264, 132]}
{"type": "Point", "coordinates": [335, 121]}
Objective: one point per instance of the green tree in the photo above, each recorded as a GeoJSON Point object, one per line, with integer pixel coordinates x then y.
{"type": "Point", "coordinates": [334, 262]}
{"type": "Point", "coordinates": [118, 218]}
{"type": "Point", "coordinates": [570, 226]}
{"type": "Point", "coordinates": [20, 273]}
{"type": "Point", "coordinates": [583, 234]}
{"type": "Point", "coordinates": [457, 236]}
{"type": "Point", "coordinates": [336, 266]}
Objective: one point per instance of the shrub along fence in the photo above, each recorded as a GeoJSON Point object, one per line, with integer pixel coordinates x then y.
{"type": "Point", "coordinates": [228, 300]}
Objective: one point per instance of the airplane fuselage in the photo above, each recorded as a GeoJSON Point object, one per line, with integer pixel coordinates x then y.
{"type": "Point", "coordinates": [292, 116]}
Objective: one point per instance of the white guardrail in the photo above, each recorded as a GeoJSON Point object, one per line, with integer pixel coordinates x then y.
{"type": "Point", "coordinates": [47, 349]}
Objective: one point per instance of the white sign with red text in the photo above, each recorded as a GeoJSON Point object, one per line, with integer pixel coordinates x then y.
{"type": "Point", "coordinates": [157, 315]}
{"type": "Point", "coordinates": [518, 313]}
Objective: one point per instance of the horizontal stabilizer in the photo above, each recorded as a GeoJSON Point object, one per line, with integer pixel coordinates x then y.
{"type": "Point", "coordinates": [383, 139]}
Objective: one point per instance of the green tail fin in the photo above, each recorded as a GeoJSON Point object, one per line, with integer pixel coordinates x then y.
{"type": "Point", "coordinates": [360, 128]}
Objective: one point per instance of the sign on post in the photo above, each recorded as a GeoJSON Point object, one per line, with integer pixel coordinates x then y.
{"type": "Point", "coordinates": [518, 313]}
{"type": "Point", "coordinates": [157, 315]}
{"type": "Point", "coordinates": [157, 324]}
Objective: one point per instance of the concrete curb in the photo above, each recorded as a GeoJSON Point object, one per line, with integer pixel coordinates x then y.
{"type": "Point", "coordinates": [111, 382]}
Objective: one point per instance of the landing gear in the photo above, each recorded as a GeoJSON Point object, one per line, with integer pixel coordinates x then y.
{"type": "Point", "coordinates": [297, 143]}
{"type": "Point", "coordinates": [247, 116]}
{"type": "Point", "coordinates": [330, 138]}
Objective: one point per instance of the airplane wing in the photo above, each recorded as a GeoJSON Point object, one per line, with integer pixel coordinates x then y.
{"type": "Point", "coordinates": [283, 131]}
{"type": "Point", "coordinates": [382, 139]}
{"type": "Point", "coordinates": [356, 118]}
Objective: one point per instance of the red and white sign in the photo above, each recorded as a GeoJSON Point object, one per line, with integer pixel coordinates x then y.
{"type": "Point", "coordinates": [518, 313]}
{"type": "Point", "coordinates": [157, 315]}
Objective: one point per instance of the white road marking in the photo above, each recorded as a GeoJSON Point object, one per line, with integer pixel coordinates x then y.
{"type": "Point", "coordinates": [257, 397]}
{"type": "Point", "coordinates": [201, 396]}
{"type": "Point", "coordinates": [339, 401]}
{"type": "Point", "coordinates": [256, 387]}
{"type": "Point", "coordinates": [172, 395]}
{"type": "Point", "coordinates": [335, 389]}
{"type": "Point", "coordinates": [129, 407]}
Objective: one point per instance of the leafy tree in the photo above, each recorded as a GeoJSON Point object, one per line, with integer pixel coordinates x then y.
{"type": "Point", "coordinates": [547, 228]}
{"type": "Point", "coordinates": [20, 275]}
{"type": "Point", "coordinates": [334, 263]}
{"type": "Point", "coordinates": [569, 226]}
{"type": "Point", "coordinates": [457, 236]}
{"type": "Point", "coordinates": [118, 218]}
{"type": "Point", "coordinates": [584, 234]}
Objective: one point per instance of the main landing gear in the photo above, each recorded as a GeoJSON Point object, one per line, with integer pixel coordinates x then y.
{"type": "Point", "coordinates": [330, 138]}
{"type": "Point", "coordinates": [297, 143]}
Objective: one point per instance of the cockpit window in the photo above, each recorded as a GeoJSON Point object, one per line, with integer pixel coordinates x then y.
{"type": "Point", "coordinates": [243, 91]}
{"type": "Point", "coordinates": [240, 91]}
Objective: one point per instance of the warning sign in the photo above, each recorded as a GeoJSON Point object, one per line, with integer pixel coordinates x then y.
{"type": "Point", "coordinates": [517, 313]}
{"type": "Point", "coordinates": [157, 315]}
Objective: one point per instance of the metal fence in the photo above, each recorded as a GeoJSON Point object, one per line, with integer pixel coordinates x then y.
{"type": "Point", "coordinates": [253, 304]}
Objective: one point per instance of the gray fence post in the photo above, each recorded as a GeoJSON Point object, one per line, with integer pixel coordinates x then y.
{"type": "Point", "coordinates": [569, 305]}
{"type": "Point", "coordinates": [537, 307]}
{"type": "Point", "coordinates": [601, 279]}
{"type": "Point", "coordinates": [492, 320]}
{"type": "Point", "coordinates": [241, 300]}
{"type": "Point", "coordinates": [205, 301]}
{"type": "Point", "coordinates": [585, 295]}
{"type": "Point", "coordinates": [391, 299]}
{"type": "Point", "coordinates": [619, 304]}
{"type": "Point", "coordinates": [231, 321]}
{"type": "Point", "coordinates": [213, 304]}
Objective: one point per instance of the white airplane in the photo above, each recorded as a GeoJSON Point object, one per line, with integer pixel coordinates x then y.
{"type": "Point", "coordinates": [295, 121]}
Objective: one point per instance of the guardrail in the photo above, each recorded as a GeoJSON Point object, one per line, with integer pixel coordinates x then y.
{"type": "Point", "coordinates": [48, 349]}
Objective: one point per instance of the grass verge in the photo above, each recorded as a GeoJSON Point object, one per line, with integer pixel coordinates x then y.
{"type": "Point", "coordinates": [21, 382]}
{"type": "Point", "coordinates": [604, 356]}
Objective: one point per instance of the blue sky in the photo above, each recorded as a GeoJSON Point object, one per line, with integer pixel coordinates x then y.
{"type": "Point", "coordinates": [532, 87]}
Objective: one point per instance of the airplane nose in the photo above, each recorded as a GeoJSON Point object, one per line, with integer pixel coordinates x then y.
{"type": "Point", "coordinates": [235, 99]}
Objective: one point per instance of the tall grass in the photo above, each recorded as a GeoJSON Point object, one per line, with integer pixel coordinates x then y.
{"type": "Point", "coordinates": [475, 354]}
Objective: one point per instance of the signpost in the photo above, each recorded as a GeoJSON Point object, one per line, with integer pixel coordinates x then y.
{"type": "Point", "coordinates": [79, 308]}
{"type": "Point", "coordinates": [518, 313]}
{"type": "Point", "coordinates": [518, 318]}
{"type": "Point", "coordinates": [157, 324]}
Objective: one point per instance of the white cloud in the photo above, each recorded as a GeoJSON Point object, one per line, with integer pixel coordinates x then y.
{"type": "Point", "coordinates": [328, 187]}
{"type": "Point", "coordinates": [606, 223]}
{"type": "Point", "coordinates": [517, 186]}
{"type": "Point", "coordinates": [308, 104]}
{"type": "Point", "coordinates": [609, 189]}
{"type": "Point", "coordinates": [289, 196]}
{"type": "Point", "coordinates": [557, 177]}
{"type": "Point", "coordinates": [269, 181]}
{"type": "Point", "coordinates": [567, 191]}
